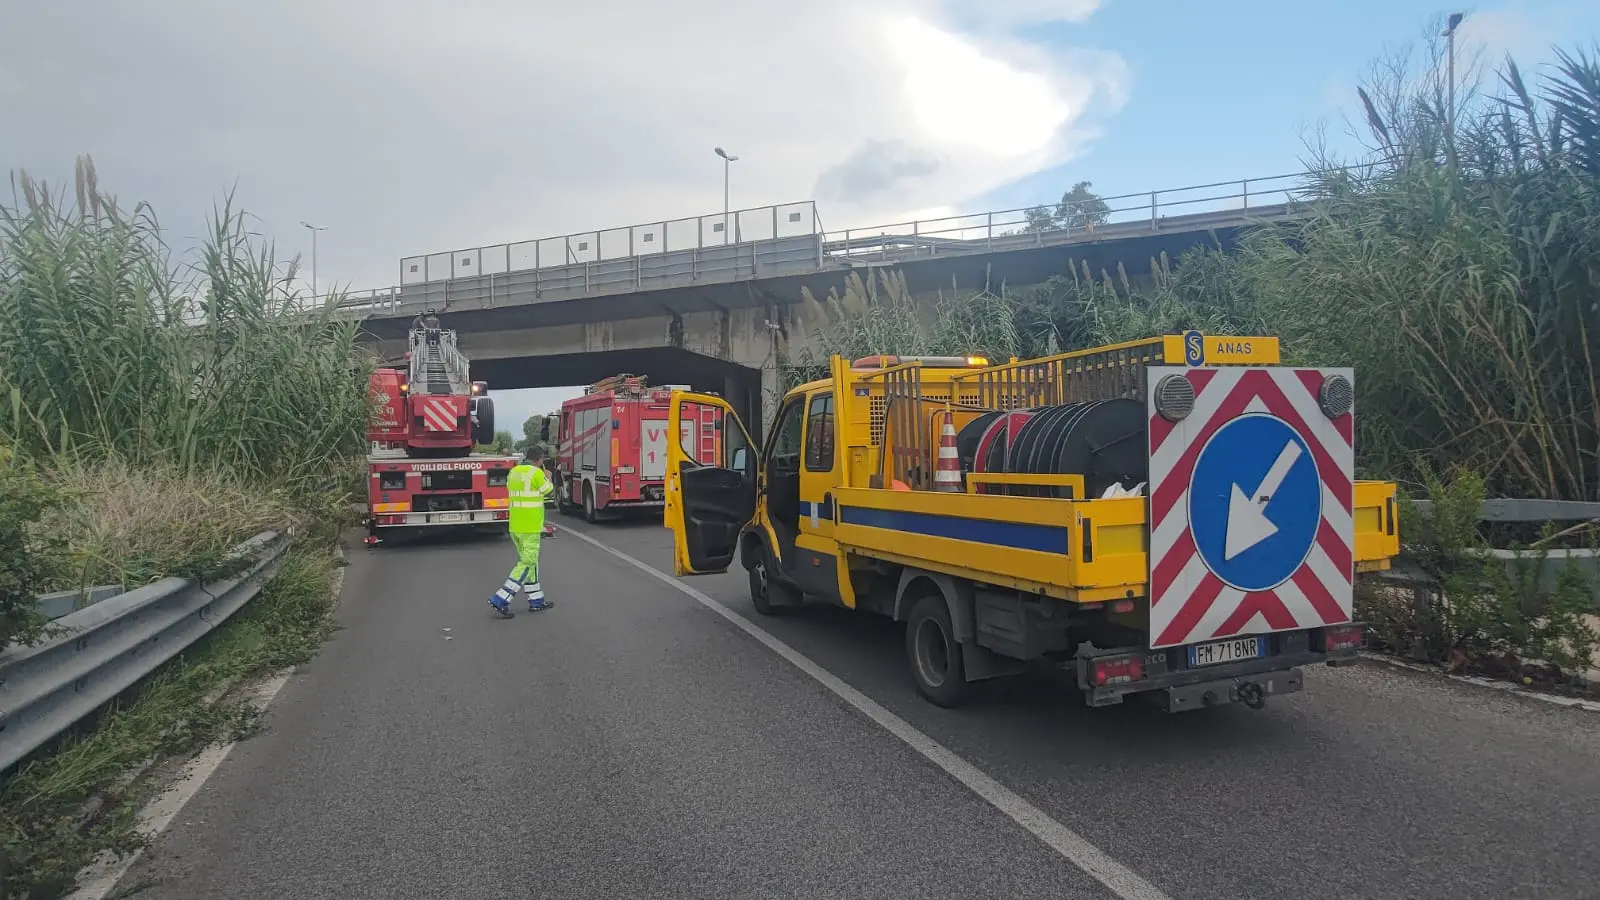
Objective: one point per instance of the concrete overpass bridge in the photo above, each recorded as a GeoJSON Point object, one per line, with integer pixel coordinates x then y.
{"type": "Point", "coordinates": [710, 301]}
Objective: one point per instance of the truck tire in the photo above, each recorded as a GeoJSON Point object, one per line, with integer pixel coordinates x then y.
{"type": "Point", "coordinates": [934, 654]}
{"type": "Point", "coordinates": [769, 596]}
{"type": "Point", "coordinates": [590, 514]}
{"type": "Point", "coordinates": [564, 502]}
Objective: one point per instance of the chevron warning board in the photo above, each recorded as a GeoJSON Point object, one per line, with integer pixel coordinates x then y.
{"type": "Point", "coordinates": [1251, 499]}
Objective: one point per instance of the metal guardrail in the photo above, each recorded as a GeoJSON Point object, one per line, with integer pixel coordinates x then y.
{"type": "Point", "coordinates": [1552, 561]}
{"type": "Point", "coordinates": [766, 243]}
{"type": "Point", "coordinates": [107, 647]}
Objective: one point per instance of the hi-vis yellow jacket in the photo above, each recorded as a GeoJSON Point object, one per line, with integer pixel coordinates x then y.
{"type": "Point", "coordinates": [527, 486]}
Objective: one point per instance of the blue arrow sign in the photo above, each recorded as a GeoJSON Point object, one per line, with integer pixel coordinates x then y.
{"type": "Point", "coordinates": [1255, 502]}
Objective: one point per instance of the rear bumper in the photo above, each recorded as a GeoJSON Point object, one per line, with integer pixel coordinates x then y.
{"type": "Point", "coordinates": [436, 519]}
{"type": "Point", "coordinates": [1251, 681]}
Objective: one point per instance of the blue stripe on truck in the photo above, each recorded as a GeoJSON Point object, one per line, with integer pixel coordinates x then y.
{"type": "Point", "coordinates": [1017, 535]}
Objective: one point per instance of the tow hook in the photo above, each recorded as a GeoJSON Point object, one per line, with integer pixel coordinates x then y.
{"type": "Point", "coordinates": [1250, 695]}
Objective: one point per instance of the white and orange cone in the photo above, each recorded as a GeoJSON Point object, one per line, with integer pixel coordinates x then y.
{"type": "Point", "coordinates": [947, 472]}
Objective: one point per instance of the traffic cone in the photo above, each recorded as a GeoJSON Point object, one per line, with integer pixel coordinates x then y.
{"type": "Point", "coordinates": [947, 473]}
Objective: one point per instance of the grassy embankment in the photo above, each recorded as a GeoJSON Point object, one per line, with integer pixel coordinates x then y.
{"type": "Point", "coordinates": [154, 415]}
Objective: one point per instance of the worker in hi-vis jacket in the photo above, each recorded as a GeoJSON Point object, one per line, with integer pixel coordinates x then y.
{"type": "Point", "coordinates": [528, 486]}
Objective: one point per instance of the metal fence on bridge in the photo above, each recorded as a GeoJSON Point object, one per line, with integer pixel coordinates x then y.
{"type": "Point", "coordinates": [789, 239]}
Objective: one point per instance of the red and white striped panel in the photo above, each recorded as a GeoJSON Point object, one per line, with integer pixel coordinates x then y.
{"type": "Point", "coordinates": [439, 413]}
{"type": "Point", "coordinates": [1188, 601]}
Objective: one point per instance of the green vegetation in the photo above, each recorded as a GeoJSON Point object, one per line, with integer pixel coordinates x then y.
{"type": "Point", "coordinates": [503, 444]}
{"type": "Point", "coordinates": [153, 416]}
{"type": "Point", "coordinates": [1078, 209]}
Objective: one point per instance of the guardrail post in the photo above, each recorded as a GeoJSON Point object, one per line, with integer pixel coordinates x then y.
{"type": "Point", "coordinates": [991, 231]}
{"type": "Point", "coordinates": [916, 232]}
{"type": "Point", "coordinates": [1152, 210]}
{"type": "Point", "coordinates": [1244, 191]}
{"type": "Point", "coordinates": [636, 271]}
{"type": "Point", "coordinates": [694, 263]}
{"type": "Point", "coordinates": [586, 277]}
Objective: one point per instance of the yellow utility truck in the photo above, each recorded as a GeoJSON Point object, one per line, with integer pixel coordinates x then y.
{"type": "Point", "coordinates": [1175, 517]}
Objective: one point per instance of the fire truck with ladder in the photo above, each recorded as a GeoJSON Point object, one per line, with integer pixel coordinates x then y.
{"type": "Point", "coordinates": [428, 414]}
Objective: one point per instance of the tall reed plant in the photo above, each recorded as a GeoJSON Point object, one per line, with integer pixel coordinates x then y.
{"type": "Point", "coordinates": [109, 348]}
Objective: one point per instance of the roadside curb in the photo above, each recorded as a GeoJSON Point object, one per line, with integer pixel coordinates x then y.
{"type": "Point", "coordinates": [101, 877]}
{"type": "Point", "coordinates": [1477, 681]}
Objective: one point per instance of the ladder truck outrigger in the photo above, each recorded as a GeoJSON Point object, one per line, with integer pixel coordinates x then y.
{"type": "Point", "coordinates": [429, 413]}
{"type": "Point", "coordinates": [1175, 518]}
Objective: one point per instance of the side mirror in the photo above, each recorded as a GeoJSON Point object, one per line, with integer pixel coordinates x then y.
{"type": "Point", "coordinates": [741, 457]}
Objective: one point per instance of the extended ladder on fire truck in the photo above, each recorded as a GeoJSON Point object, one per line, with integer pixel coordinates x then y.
{"type": "Point", "coordinates": [437, 364]}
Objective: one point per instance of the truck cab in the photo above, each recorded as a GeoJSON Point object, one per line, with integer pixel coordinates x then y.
{"type": "Point", "coordinates": [1004, 514]}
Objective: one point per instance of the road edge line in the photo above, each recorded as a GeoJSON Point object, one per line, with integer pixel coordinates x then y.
{"type": "Point", "coordinates": [1096, 863]}
{"type": "Point", "coordinates": [102, 876]}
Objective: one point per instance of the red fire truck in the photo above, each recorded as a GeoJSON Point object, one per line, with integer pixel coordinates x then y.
{"type": "Point", "coordinates": [612, 452]}
{"type": "Point", "coordinates": [421, 470]}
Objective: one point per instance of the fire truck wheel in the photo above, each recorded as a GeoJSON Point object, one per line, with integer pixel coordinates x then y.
{"type": "Point", "coordinates": [768, 596]}
{"type": "Point", "coordinates": [935, 655]}
{"type": "Point", "coordinates": [590, 515]}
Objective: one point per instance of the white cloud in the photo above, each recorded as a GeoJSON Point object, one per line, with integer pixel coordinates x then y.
{"type": "Point", "coordinates": [409, 126]}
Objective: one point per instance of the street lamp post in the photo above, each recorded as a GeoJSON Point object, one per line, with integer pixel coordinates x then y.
{"type": "Point", "coordinates": [1450, 85]}
{"type": "Point", "coordinates": [727, 165]}
{"type": "Point", "coordinates": [314, 229]}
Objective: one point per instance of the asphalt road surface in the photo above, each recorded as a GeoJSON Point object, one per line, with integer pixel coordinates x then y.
{"type": "Point", "coordinates": [632, 742]}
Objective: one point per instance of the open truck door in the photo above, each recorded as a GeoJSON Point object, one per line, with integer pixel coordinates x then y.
{"type": "Point", "coordinates": [710, 484]}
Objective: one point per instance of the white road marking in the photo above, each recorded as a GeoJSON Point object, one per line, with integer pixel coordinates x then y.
{"type": "Point", "coordinates": [100, 877]}
{"type": "Point", "coordinates": [1122, 881]}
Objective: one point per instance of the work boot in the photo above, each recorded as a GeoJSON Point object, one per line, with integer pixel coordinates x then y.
{"type": "Point", "coordinates": [501, 607]}
{"type": "Point", "coordinates": [540, 604]}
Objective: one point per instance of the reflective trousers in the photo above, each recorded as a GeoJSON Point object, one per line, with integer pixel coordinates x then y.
{"type": "Point", "coordinates": [525, 574]}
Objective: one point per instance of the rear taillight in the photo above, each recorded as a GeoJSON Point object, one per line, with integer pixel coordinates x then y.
{"type": "Point", "coordinates": [1343, 637]}
{"type": "Point", "coordinates": [1116, 670]}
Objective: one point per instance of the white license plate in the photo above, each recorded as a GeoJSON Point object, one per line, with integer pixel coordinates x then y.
{"type": "Point", "coordinates": [446, 518]}
{"type": "Point", "coordinates": [1219, 652]}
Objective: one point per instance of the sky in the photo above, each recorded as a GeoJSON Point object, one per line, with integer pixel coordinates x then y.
{"type": "Point", "coordinates": [407, 127]}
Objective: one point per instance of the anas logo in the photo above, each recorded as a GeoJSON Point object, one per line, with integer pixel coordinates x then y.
{"type": "Point", "coordinates": [383, 399]}
{"type": "Point", "coordinates": [1194, 348]}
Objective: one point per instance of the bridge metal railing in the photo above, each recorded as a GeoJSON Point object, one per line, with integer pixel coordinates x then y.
{"type": "Point", "coordinates": [788, 239]}
{"type": "Point", "coordinates": [1119, 215]}
{"type": "Point", "coordinates": [762, 223]}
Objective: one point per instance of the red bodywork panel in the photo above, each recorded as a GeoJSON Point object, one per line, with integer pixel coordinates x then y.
{"type": "Point", "coordinates": [417, 421]}
{"type": "Point", "coordinates": [614, 442]}
{"type": "Point", "coordinates": [469, 490]}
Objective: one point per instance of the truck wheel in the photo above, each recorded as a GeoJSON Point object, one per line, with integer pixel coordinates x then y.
{"type": "Point", "coordinates": [589, 513]}
{"type": "Point", "coordinates": [935, 655]}
{"type": "Point", "coordinates": [767, 595]}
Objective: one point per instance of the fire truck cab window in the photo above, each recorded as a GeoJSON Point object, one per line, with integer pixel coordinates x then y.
{"type": "Point", "coordinates": [819, 434]}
